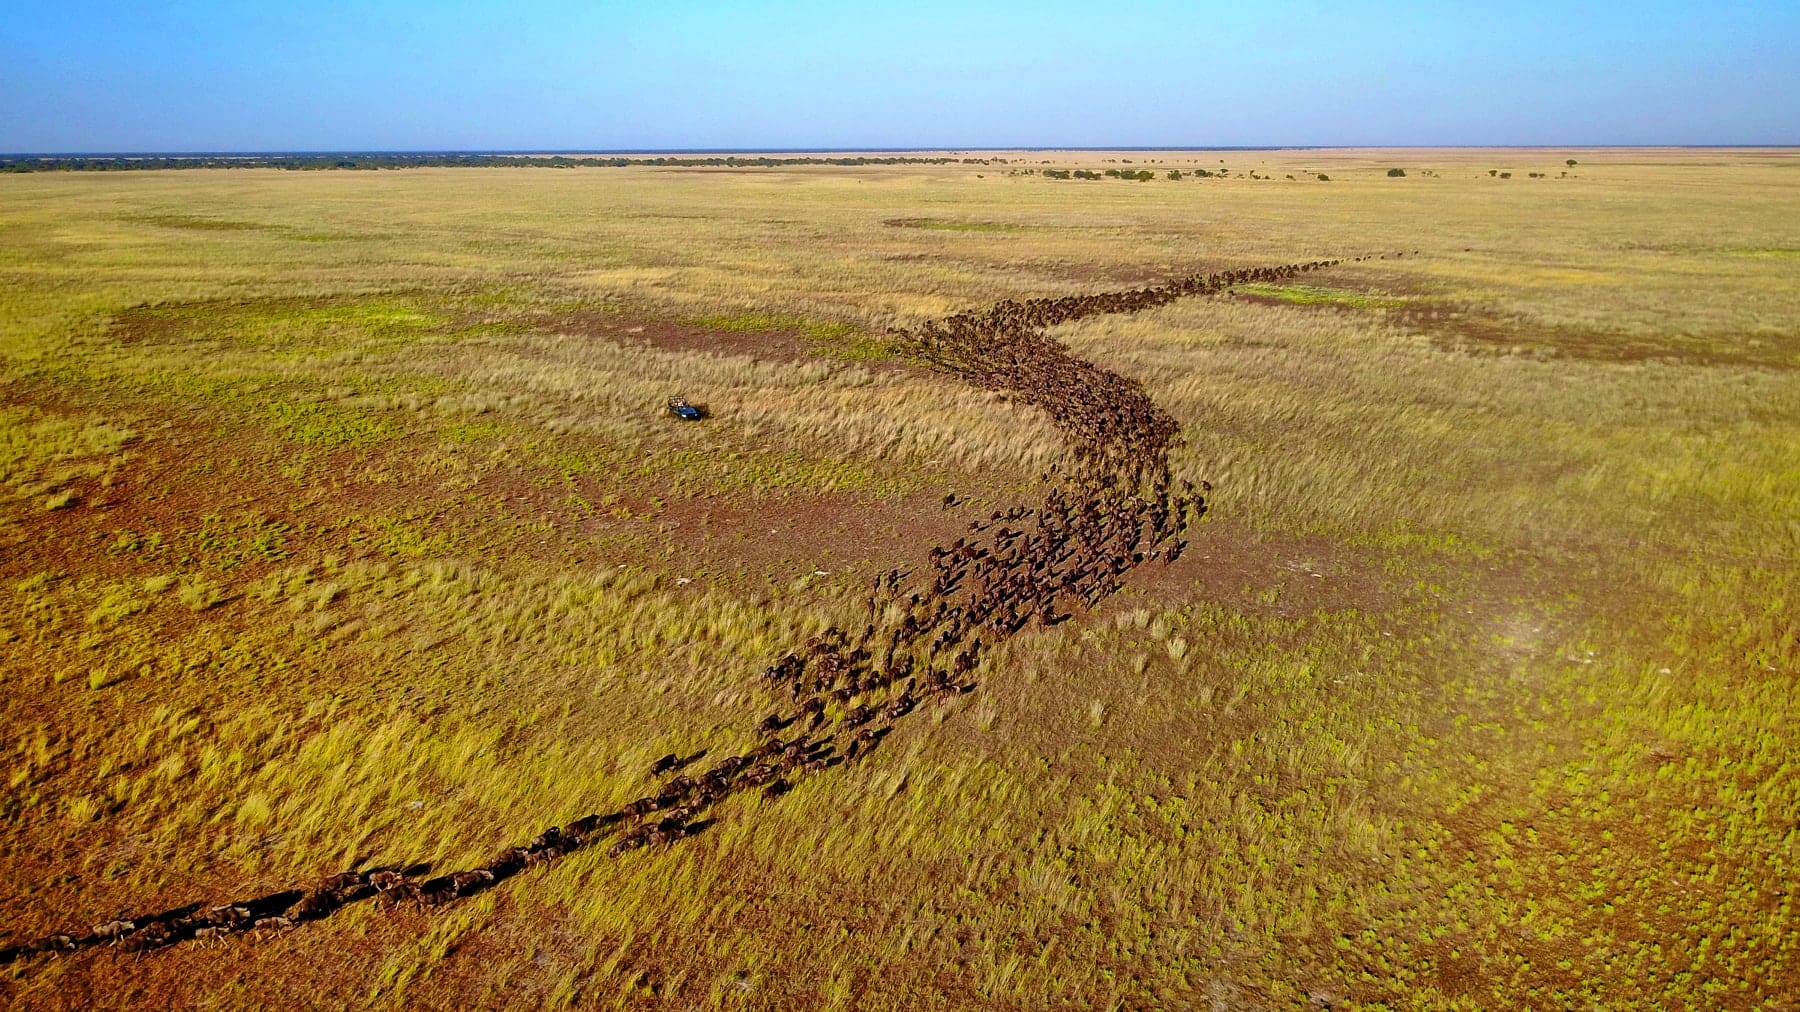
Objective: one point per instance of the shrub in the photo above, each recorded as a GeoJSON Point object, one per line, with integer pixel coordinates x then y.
{"type": "Point", "coordinates": [1085, 174]}
{"type": "Point", "coordinates": [1143, 175]}
{"type": "Point", "coordinates": [1493, 172]}
{"type": "Point", "coordinates": [1323, 178]}
{"type": "Point", "coordinates": [1396, 172]}
{"type": "Point", "coordinates": [1570, 163]}
{"type": "Point", "coordinates": [1174, 173]}
{"type": "Point", "coordinates": [1505, 175]}
{"type": "Point", "coordinates": [200, 595]}
{"type": "Point", "coordinates": [1057, 173]}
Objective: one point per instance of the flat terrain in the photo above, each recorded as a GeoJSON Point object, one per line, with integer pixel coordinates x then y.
{"type": "Point", "coordinates": [342, 529]}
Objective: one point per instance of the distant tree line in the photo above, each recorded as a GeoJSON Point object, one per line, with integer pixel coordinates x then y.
{"type": "Point", "coordinates": [321, 162]}
{"type": "Point", "coordinates": [1138, 175]}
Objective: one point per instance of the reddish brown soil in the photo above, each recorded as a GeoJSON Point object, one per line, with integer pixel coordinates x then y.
{"type": "Point", "coordinates": [799, 534]}
{"type": "Point", "coordinates": [768, 345]}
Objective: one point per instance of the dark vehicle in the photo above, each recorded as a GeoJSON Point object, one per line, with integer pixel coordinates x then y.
{"type": "Point", "coordinates": [680, 408]}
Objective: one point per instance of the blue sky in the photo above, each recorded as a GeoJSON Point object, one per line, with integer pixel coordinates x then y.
{"type": "Point", "coordinates": [406, 75]}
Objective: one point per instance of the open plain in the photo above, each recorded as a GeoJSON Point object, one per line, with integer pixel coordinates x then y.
{"type": "Point", "coordinates": [1386, 593]}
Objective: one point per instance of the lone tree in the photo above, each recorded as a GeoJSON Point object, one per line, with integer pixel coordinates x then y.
{"type": "Point", "coordinates": [1396, 172]}
{"type": "Point", "coordinates": [1570, 163]}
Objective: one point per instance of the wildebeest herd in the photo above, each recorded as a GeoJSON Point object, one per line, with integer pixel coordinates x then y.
{"type": "Point", "coordinates": [1116, 509]}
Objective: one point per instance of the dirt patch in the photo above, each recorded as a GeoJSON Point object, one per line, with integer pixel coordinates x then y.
{"type": "Point", "coordinates": [1451, 326]}
{"type": "Point", "coordinates": [766, 339]}
{"type": "Point", "coordinates": [1456, 328]}
{"type": "Point", "coordinates": [801, 535]}
{"type": "Point", "coordinates": [767, 345]}
{"type": "Point", "coordinates": [1304, 575]}
{"type": "Point", "coordinates": [146, 325]}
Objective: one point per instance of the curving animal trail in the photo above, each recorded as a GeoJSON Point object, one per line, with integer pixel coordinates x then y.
{"type": "Point", "coordinates": [1117, 508]}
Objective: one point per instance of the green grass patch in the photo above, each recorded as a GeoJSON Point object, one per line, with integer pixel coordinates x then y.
{"type": "Point", "coordinates": [749, 323]}
{"type": "Point", "coordinates": [854, 347]}
{"type": "Point", "coordinates": [412, 536]}
{"type": "Point", "coordinates": [328, 425]}
{"type": "Point", "coordinates": [1306, 295]}
{"type": "Point", "coordinates": [197, 223]}
{"type": "Point", "coordinates": [1402, 536]}
{"type": "Point", "coordinates": [219, 542]}
{"type": "Point", "coordinates": [465, 433]}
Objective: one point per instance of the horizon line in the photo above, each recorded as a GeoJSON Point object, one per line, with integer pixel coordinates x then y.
{"type": "Point", "coordinates": [553, 152]}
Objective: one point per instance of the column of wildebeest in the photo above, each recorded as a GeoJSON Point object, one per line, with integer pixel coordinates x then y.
{"type": "Point", "coordinates": [1113, 508]}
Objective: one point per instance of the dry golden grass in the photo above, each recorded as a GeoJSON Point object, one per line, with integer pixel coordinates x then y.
{"type": "Point", "coordinates": [351, 533]}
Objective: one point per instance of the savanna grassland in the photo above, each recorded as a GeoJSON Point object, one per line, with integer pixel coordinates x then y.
{"type": "Point", "coordinates": [342, 527]}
